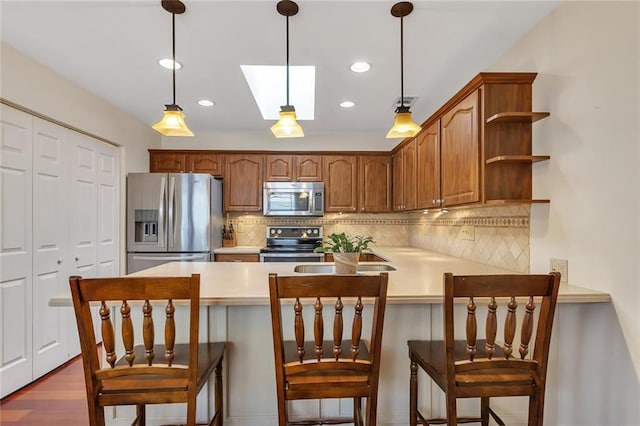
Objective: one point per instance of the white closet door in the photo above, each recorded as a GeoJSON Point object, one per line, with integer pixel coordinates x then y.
{"type": "Point", "coordinates": [51, 258]}
{"type": "Point", "coordinates": [16, 167]}
{"type": "Point", "coordinates": [108, 211]}
{"type": "Point", "coordinates": [83, 201]}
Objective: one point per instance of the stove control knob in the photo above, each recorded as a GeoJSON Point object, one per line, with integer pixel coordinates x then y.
{"type": "Point", "coordinates": [273, 231]}
{"type": "Point", "coordinates": [279, 231]}
{"type": "Point", "coordinates": [309, 231]}
{"type": "Point", "coordinates": [315, 231]}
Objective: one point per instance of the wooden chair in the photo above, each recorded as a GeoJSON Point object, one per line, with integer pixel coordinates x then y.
{"type": "Point", "coordinates": [318, 369]}
{"type": "Point", "coordinates": [481, 368]}
{"type": "Point", "coordinates": [149, 373]}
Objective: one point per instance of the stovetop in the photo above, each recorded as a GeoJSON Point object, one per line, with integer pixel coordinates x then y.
{"type": "Point", "coordinates": [292, 239]}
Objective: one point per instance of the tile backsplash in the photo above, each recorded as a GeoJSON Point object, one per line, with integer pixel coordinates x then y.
{"type": "Point", "coordinates": [501, 233]}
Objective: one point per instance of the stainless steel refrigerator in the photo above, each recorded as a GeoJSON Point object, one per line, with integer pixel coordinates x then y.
{"type": "Point", "coordinates": [172, 217]}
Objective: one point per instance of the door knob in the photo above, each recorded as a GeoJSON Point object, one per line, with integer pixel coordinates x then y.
{"type": "Point", "coordinates": [59, 261]}
{"type": "Point", "coordinates": [77, 258]}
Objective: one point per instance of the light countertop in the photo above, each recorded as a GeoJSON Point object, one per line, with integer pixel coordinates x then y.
{"type": "Point", "coordinates": [418, 278]}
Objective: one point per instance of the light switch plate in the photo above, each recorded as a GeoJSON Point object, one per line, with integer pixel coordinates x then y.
{"type": "Point", "coordinates": [562, 266]}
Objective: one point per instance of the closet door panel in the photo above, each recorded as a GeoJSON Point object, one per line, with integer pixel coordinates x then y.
{"type": "Point", "coordinates": [108, 210]}
{"type": "Point", "coordinates": [16, 250]}
{"type": "Point", "coordinates": [50, 240]}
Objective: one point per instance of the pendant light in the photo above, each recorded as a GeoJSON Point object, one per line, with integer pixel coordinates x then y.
{"type": "Point", "coordinates": [287, 126]}
{"type": "Point", "coordinates": [403, 125]}
{"type": "Point", "coordinates": [172, 123]}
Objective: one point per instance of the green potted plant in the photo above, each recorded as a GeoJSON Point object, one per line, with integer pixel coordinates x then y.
{"type": "Point", "coordinates": [346, 250]}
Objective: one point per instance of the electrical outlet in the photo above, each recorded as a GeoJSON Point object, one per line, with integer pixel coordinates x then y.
{"type": "Point", "coordinates": [468, 232]}
{"type": "Point", "coordinates": [562, 266]}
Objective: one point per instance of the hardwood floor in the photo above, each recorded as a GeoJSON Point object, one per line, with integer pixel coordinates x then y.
{"type": "Point", "coordinates": [59, 398]}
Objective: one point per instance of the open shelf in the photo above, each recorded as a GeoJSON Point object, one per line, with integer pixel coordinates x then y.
{"type": "Point", "coordinates": [517, 117]}
{"type": "Point", "coordinates": [518, 158]}
{"type": "Point", "coordinates": [504, 202]}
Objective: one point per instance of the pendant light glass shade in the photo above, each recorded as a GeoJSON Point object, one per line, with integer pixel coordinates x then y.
{"type": "Point", "coordinates": [172, 123]}
{"type": "Point", "coordinates": [403, 125]}
{"type": "Point", "coordinates": [287, 126]}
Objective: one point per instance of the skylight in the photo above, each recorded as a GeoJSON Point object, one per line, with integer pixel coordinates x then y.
{"type": "Point", "coordinates": [268, 84]}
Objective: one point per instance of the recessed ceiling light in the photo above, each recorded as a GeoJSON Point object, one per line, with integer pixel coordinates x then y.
{"type": "Point", "coordinates": [360, 67]}
{"type": "Point", "coordinates": [168, 63]}
{"type": "Point", "coordinates": [347, 104]}
{"type": "Point", "coordinates": [206, 103]}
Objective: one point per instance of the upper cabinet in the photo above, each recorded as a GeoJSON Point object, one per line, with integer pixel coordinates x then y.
{"type": "Point", "coordinates": [243, 182]}
{"type": "Point", "coordinates": [460, 153]}
{"type": "Point", "coordinates": [374, 172]}
{"type": "Point", "coordinates": [476, 149]}
{"type": "Point", "coordinates": [169, 161]}
{"type": "Point", "coordinates": [290, 168]}
{"type": "Point", "coordinates": [428, 169]}
{"type": "Point", "coordinates": [341, 183]}
{"type": "Point", "coordinates": [404, 177]}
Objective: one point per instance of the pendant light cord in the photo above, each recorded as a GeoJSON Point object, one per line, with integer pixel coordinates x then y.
{"type": "Point", "coordinates": [287, 60]}
{"type": "Point", "coordinates": [401, 63]}
{"type": "Point", "coordinates": [173, 32]}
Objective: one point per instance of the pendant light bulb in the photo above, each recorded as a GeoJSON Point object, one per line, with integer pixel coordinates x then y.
{"type": "Point", "coordinates": [287, 126]}
{"type": "Point", "coordinates": [172, 123]}
{"type": "Point", "coordinates": [403, 124]}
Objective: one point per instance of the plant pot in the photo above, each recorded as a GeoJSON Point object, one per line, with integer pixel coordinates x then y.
{"type": "Point", "coordinates": [346, 263]}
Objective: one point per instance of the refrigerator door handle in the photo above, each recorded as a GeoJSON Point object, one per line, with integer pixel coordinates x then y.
{"type": "Point", "coordinates": [161, 224]}
{"type": "Point", "coordinates": [172, 219]}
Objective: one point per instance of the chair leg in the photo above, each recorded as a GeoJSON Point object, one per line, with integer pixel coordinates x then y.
{"type": "Point", "coordinates": [484, 411]}
{"type": "Point", "coordinates": [191, 407]}
{"type": "Point", "coordinates": [219, 413]}
{"type": "Point", "coordinates": [357, 412]}
{"type": "Point", "coordinates": [372, 409]}
{"type": "Point", "coordinates": [452, 410]}
{"type": "Point", "coordinates": [413, 394]}
{"type": "Point", "coordinates": [536, 409]}
{"type": "Point", "coordinates": [141, 414]}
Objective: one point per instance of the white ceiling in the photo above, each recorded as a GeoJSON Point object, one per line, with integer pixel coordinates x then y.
{"type": "Point", "coordinates": [112, 48]}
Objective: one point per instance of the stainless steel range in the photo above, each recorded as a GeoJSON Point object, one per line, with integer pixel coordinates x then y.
{"type": "Point", "coordinates": [292, 244]}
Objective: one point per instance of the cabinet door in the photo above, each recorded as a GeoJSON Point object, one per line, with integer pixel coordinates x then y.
{"type": "Point", "coordinates": [409, 169]}
{"type": "Point", "coordinates": [375, 183]}
{"type": "Point", "coordinates": [341, 185]}
{"type": "Point", "coordinates": [398, 180]}
{"type": "Point", "coordinates": [167, 162]}
{"type": "Point", "coordinates": [460, 147]}
{"type": "Point", "coordinates": [205, 163]}
{"type": "Point", "coordinates": [243, 182]}
{"type": "Point", "coordinates": [428, 168]}
{"type": "Point", "coordinates": [308, 168]}
{"type": "Point", "coordinates": [16, 253]}
{"type": "Point", "coordinates": [279, 168]}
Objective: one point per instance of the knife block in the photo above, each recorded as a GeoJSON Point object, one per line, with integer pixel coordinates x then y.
{"type": "Point", "coordinates": [229, 239]}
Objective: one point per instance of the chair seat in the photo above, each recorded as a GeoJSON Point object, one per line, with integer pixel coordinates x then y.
{"type": "Point", "coordinates": [430, 356]}
{"type": "Point", "coordinates": [209, 355]}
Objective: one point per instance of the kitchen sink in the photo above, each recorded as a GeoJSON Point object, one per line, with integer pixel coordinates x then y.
{"type": "Point", "coordinates": [330, 268]}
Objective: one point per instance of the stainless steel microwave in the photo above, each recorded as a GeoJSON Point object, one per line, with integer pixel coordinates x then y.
{"type": "Point", "coordinates": [293, 198]}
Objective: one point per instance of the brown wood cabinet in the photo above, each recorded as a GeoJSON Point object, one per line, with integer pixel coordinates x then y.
{"type": "Point", "coordinates": [240, 257]}
{"type": "Point", "coordinates": [243, 182]}
{"type": "Point", "coordinates": [404, 177]}
{"type": "Point", "coordinates": [375, 181]}
{"type": "Point", "coordinates": [169, 161]}
{"type": "Point", "coordinates": [341, 183]}
{"type": "Point", "coordinates": [460, 153]}
{"type": "Point", "coordinates": [428, 167]}
{"type": "Point", "coordinates": [288, 168]}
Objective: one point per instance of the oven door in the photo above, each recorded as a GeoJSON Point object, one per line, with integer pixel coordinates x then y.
{"type": "Point", "coordinates": [291, 257]}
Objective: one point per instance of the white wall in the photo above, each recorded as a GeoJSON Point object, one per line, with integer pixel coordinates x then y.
{"type": "Point", "coordinates": [587, 55]}
{"type": "Point", "coordinates": [265, 141]}
{"type": "Point", "coordinates": [31, 85]}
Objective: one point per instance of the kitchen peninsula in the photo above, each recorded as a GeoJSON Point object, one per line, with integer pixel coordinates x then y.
{"type": "Point", "coordinates": [235, 299]}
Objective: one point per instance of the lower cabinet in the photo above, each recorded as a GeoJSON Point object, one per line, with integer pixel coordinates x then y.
{"type": "Point", "coordinates": [240, 257]}
{"type": "Point", "coordinates": [64, 191]}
